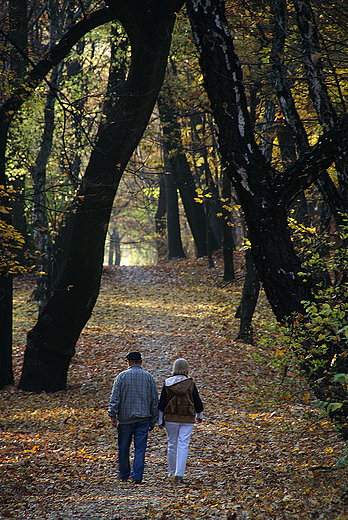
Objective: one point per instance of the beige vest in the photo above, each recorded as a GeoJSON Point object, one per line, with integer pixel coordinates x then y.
{"type": "Point", "coordinates": [180, 406]}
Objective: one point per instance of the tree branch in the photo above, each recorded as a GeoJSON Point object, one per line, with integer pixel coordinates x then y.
{"type": "Point", "coordinates": [51, 59]}
{"type": "Point", "coordinates": [306, 170]}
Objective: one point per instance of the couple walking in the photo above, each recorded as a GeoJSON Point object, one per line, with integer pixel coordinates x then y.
{"type": "Point", "coordinates": [134, 409]}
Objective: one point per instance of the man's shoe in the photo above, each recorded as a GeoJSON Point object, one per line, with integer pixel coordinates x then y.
{"type": "Point", "coordinates": [135, 481]}
{"type": "Point", "coordinates": [179, 480]}
{"type": "Point", "coordinates": [124, 479]}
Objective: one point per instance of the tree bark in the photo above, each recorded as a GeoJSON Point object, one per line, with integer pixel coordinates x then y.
{"type": "Point", "coordinates": [251, 285]}
{"type": "Point", "coordinates": [51, 343]}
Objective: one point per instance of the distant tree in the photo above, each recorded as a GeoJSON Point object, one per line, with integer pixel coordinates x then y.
{"type": "Point", "coordinates": [114, 247]}
{"type": "Point", "coordinates": [180, 166]}
{"type": "Point", "coordinates": [175, 249]}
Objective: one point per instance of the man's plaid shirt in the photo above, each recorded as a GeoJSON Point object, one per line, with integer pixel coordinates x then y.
{"type": "Point", "coordinates": [134, 396]}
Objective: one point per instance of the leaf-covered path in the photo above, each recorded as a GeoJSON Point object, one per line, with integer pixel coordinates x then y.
{"type": "Point", "coordinates": [259, 453]}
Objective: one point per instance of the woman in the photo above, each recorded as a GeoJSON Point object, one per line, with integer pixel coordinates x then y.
{"type": "Point", "coordinates": [179, 405]}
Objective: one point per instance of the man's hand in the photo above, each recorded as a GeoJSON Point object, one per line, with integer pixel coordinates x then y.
{"type": "Point", "coordinates": [114, 422]}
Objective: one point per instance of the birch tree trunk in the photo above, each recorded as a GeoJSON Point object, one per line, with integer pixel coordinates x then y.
{"type": "Point", "coordinates": [263, 195]}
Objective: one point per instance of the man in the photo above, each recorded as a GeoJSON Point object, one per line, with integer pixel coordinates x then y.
{"type": "Point", "coordinates": [133, 408]}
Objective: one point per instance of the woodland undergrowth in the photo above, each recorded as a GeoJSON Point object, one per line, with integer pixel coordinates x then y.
{"type": "Point", "coordinates": [263, 450]}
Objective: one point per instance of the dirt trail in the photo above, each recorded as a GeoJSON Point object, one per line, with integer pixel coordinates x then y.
{"type": "Point", "coordinates": [252, 457]}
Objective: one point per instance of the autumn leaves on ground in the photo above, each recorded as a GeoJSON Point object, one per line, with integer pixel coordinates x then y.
{"type": "Point", "coordinates": [262, 452]}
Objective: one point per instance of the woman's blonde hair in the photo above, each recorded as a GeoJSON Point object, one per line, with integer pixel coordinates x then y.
{"type": "Point", "coordinates": [180, 367]}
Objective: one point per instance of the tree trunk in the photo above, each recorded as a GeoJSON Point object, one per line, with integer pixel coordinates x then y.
{"type": "Point", "coordinates": [175, 249]}
{"type": "Point", "coordinates": [228, 243]}
{"type": "Point", "coordinates": [19, 34]}
{"type": "Point", "coordinates": [263, 195]}
{"type": "Point", "coordinates": [40, 224]}
{"type": "Point", "coordinates": [248, 302]}
{"type": "Point", "coordinates": [6, 373]}
{"type": "Point", "coordinates": [251, 285]}
{"type": "Point", "coordinates": [181, 171]}
{"type": "Point", "coordinates": [160, 223]}
{"type": "Point", "coordinates": [212, 205]}
{"type": "Point", "coordinates": [51, 343]}
{"type": "Point", "coordinates": [114, 247]}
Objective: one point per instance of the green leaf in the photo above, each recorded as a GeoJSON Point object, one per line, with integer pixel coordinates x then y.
{"type": "Point", "coordinates": [342, 461]}
{"type": "Point", "coordinates": [341, 378]}
{"type": "Point", "coordinates": [334, 406]}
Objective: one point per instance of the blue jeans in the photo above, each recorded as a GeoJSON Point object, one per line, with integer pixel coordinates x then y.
{"type": "Point", "coordinates": [138, 430]}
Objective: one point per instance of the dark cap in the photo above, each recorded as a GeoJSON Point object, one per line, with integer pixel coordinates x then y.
{"type": "Point", "coordinates": [133, 356]}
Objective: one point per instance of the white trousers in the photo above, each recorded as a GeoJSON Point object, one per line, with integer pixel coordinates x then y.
{"type": "Point", "coordinates": [178, 437]}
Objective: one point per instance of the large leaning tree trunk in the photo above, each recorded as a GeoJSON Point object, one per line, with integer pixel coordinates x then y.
{"type": "Point", "coordinates": [263, 195]}
{"type": "Point", "coordinates": [51, 343]}
{"type": "Point", "coordinates": [8, 110]}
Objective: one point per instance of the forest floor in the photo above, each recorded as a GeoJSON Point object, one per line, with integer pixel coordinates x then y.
{"type": "Point", "coordinates": [263, 450]}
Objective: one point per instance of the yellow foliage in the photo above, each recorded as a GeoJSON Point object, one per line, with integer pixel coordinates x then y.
{"type": "Point", "coordinates": [10, 241]}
